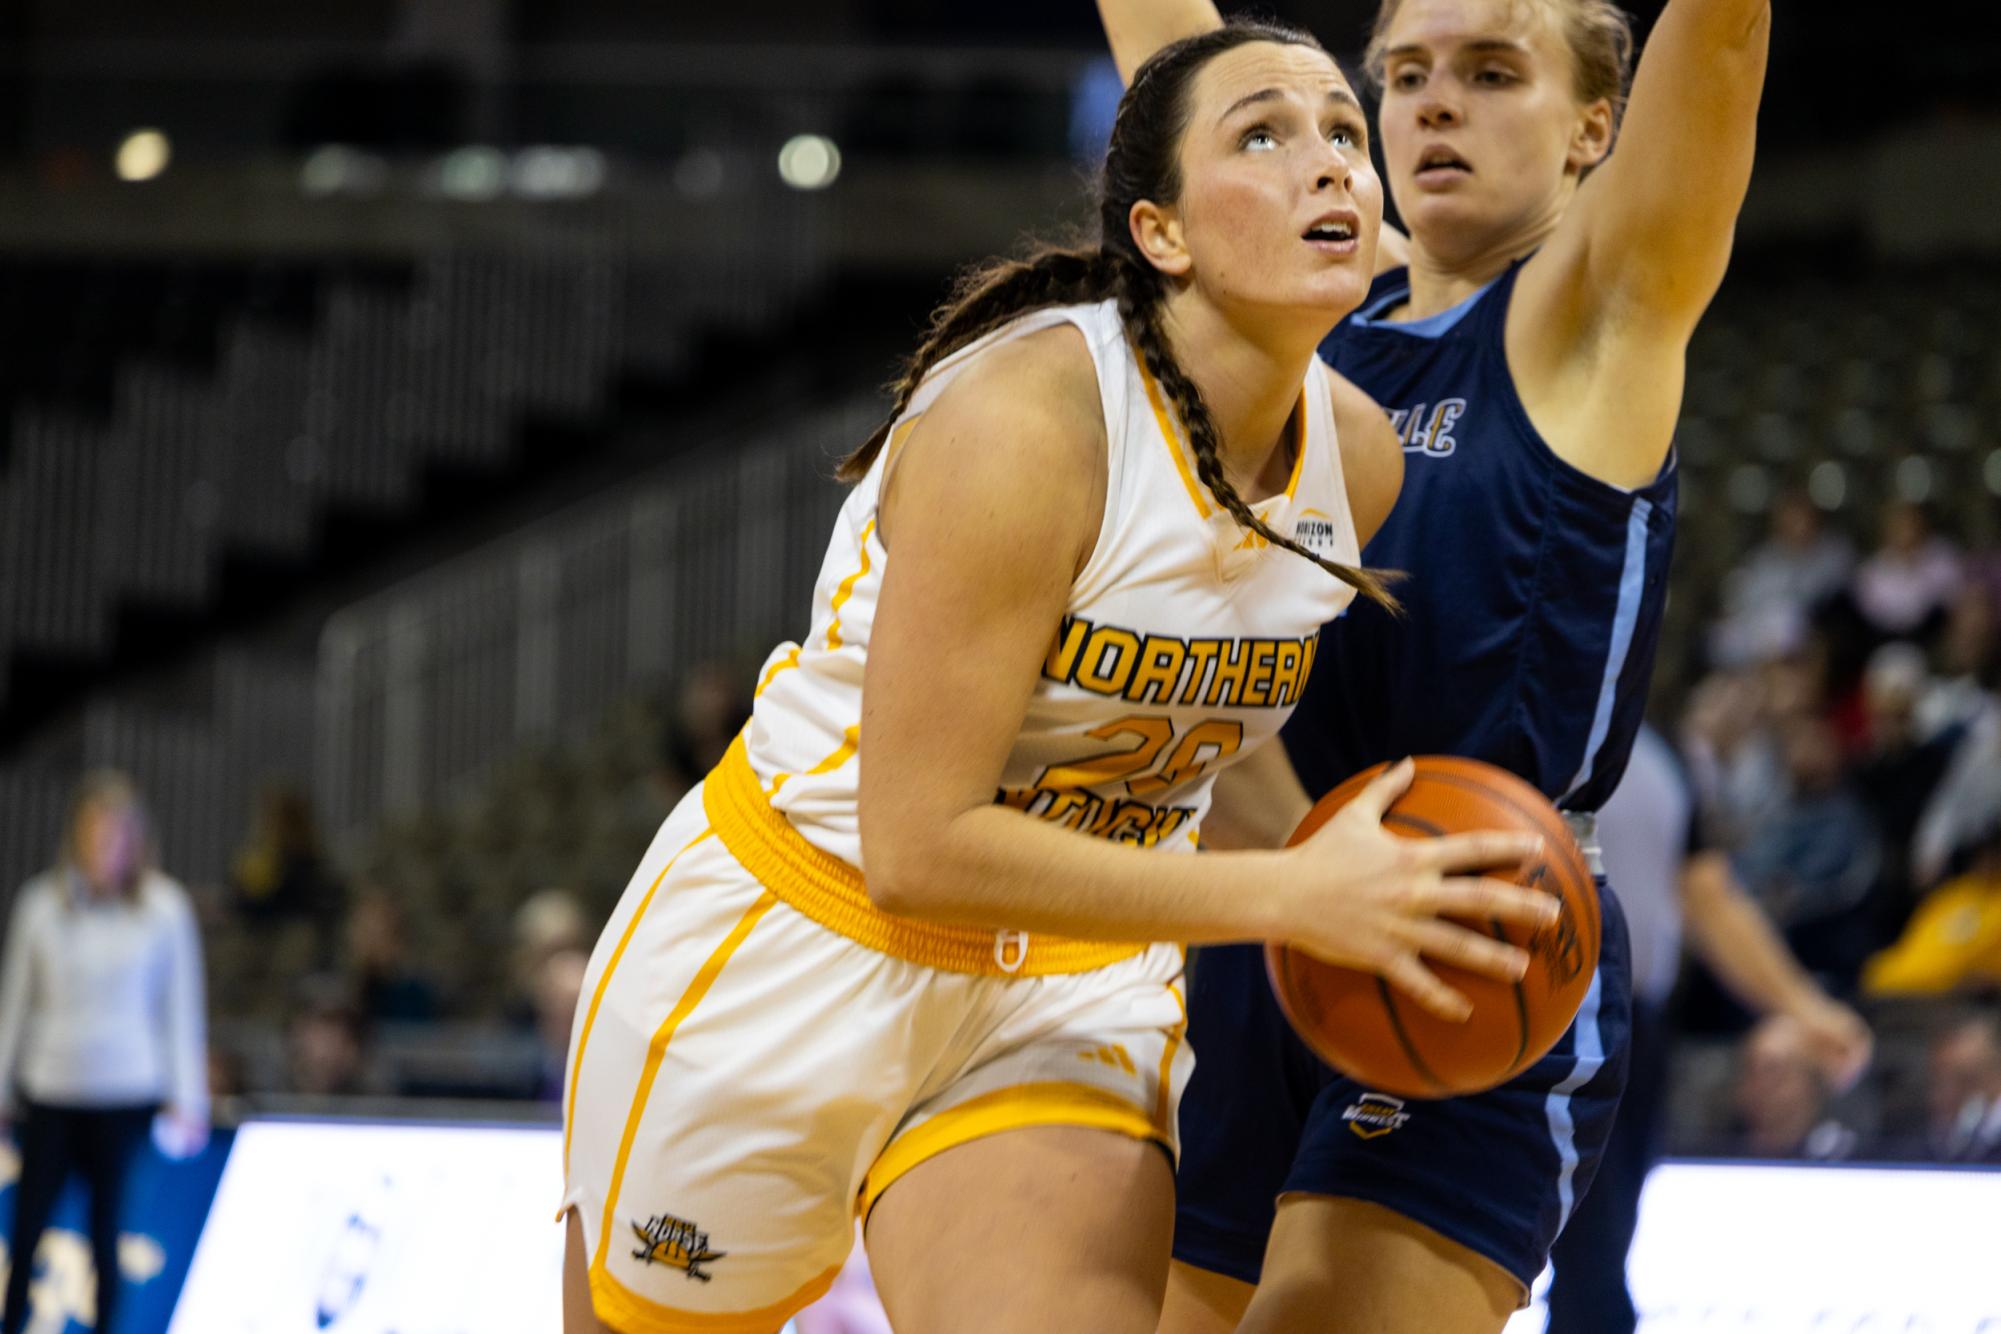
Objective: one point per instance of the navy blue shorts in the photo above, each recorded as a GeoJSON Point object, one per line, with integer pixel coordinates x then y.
{"type": "Point", "coordinates": [1498, 1172]}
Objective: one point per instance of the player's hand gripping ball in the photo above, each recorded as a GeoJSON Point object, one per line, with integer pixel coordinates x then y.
{"type": "Point", "coordinates": [1359, 1024]}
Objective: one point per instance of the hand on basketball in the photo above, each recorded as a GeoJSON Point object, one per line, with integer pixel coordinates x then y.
{"type": "Point", "coordinates": [1371, 900]}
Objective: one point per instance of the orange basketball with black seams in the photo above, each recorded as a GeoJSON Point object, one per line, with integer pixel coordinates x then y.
{"type": "Point", "coordinates": [1380, 1037]}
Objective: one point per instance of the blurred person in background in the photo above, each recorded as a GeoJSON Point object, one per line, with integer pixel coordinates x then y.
{"type": "Point", "coordinates": [281, 874]}
{"type": "Point", "coordinates": [1953, 940]}
{"type": "Point", "coordinates": [1963, 1091]}
{"type": "Point", "coordinates": [548, 922]}
{"type": "Point", "coordinates": [1969, 666]}
{"type": "Point", "coordinates": [1904, 588]}
{"type": "Point", "coordinates": [1965, 806]}
{"type": "Point", "coordinates": [710, 708]}
{"type": "Point", "coordinates": [101, 1027]}
{"type": "Point", "coordinates": [389, 988]}
{"type": "Point", "coordinates": [1812, 862]}
{"type": "Point", "coordinates": [1732, 739]}
{"type": "Point", "coordinates": [1898, 769]}
{"type": "Point", "coordinates": [326, 1046]}
{"type": "Point", "coordinates": [1783, 1097]}
{"type": "Point", "coordinates": [1669, 883]}
{"type": "Point", "coordinates": [559, 981]}
{"type": "Point", "coordinates": [1771, 598]}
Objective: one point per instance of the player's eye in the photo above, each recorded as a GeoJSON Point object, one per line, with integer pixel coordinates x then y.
{"type": "Point", "coordinates": [1259, 138]}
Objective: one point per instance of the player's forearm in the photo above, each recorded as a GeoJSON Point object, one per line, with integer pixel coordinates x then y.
{"type": "Point", "coordinates": [1138, 28]}
{"type": "Point", "coordinates": [996, 867]}
{"type": "Point", "coordinates": [1737, 941]}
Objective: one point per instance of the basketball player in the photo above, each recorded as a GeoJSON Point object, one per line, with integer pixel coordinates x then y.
{"type": "Point", "coordinates": [1053, 609]}
{"type": "Point", "coordinates": [1531, 355]}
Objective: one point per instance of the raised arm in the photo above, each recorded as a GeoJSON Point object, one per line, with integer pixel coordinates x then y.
{"type": "Point", "coordinates": [994, 505]}
{"type": "Point", "coordinates": [1138, 28]}
{"type": "Point", "coordinates": [1657, 219]}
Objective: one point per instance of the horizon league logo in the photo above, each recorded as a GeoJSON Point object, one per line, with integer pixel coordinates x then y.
{"type": "Point", "coordinates": [1374, 1115]}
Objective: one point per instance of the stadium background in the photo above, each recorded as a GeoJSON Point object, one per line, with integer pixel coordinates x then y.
{"type": "Point", "coordinates": [417, 417]}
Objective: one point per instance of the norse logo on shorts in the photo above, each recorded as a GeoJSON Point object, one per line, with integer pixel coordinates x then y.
{"type": "Point", "coordinates": [1374, 1115]}
{"type": "Point", "coordinates": [667, 1240]}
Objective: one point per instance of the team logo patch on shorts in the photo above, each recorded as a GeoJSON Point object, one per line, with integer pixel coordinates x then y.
{"type": "Point", "coordinates": [667, 1240]}
{"type": "Point", "coordinates": [1374, 1115]}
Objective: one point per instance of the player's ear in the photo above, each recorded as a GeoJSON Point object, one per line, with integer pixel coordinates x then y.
{"type": "Point", "coordinates": [1156, 230]}
{"type": "Point", "coordinates": [1592, 138]}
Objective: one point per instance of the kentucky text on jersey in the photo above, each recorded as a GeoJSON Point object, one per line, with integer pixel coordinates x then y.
{"type": "Point", "coordinates": [1161, 669]}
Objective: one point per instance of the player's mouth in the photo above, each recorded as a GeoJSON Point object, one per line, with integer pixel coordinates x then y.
{"type": "Point", "coordinates": [1440, 166]}
{"type": "Point", "coordinates": [1335, 233]}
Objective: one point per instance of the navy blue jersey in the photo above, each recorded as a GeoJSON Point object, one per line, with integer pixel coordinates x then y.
{"type": "Point", "coordinates": [1535, 592]}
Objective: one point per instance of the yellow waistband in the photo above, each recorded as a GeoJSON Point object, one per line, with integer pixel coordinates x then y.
{"type": "Point", "coordinates": [831, 892]}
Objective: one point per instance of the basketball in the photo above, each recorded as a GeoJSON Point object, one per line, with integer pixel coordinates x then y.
{"type": "Point", "coordinates": [1359, 1024]}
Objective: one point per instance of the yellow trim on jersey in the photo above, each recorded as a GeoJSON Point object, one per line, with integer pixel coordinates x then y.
{"type": "Point", "coordinates": [1169, 433]}
{"type": "Point", "coordinates": [597, 994]}
{"type": "Point", "coordinates": [1047, 1104]}
{"type": "Point", "coordinates": [1298, 446]}
{"type": "Point", "coordinates": [847, 590]}
{"type": "Point", "coordinates": [656, 1049]}
{"type": "Point", "coordinates": [628, 1312]}
{"type": "Point", "coordinates": [851, 741]}
{"type": "Point", "coordinates": [1180, 451]}
{"type": "Point", "coordinates": [789, 660]}
{"type": "Point", "coordinates": [1164, 1107]}
{"type": "Point", "coordinates": [832, 893]}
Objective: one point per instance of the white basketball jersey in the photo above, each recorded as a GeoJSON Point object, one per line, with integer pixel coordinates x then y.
{"type": "Point", "coordinates": [1187, 639]}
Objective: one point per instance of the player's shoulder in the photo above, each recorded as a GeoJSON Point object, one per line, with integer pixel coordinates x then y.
{"type": "Point", "coordinates": [1016, 443]}
{"type": "Point", "coordinates": [1032, 400]}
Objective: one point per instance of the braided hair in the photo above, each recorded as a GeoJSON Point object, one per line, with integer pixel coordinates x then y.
{"type": "Point", "coordinates": [1143, 162]}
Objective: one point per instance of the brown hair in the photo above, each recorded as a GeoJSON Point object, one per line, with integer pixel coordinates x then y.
{"type": "Point", "coordinates": [1143, 162]}
{"type": "Point", "coordinates": [1598, 33]}
{"type": "Point", "coordinates": [108, 789]}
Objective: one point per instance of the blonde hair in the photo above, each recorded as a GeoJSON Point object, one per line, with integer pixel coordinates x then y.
{"type": "Point", "coordinates": [107, 789]}
{"type": "Point", "coordinates": [1598, 33]}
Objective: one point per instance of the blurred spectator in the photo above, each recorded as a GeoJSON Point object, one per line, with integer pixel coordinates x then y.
{"type": "Point", "coordinates": [548, 922]}
{"type": "Point", "coordinates": [280, 873]}
{"type": "Point", "coordinates": [1816, 856]}
{"type": "Point", "coordinates": [710, 708]}
{"type": "Point", "coordinates": [1953, 940]}
{"type": "Point", "coordinates": [1903, 589]}
{"type": "Point", "coordinates": [1965, 806]}
{"type": "Point", "coordinates": [1769, 600]}
{"type": "Point", "coordinates": [1734, 757]}
{"type": "Point", "coordinates": [101, 1025]}
{"type": "Point", "coordinates": [1899, 769]}
{"type": "Point", "coordinates": [1782, 1098]}
{"type": "Point", "coordinates": [1968, 656]}
{"type": "Point", "coordinates": [326, 1046]}
{"type": "Point", "coordinates": [560, 983]}
{"type": "Point", "coordinates": [389, 988]}
{"type": "Point", "coordinates": [1963, 1094]}
{"type": "Point", "coordinates": [225, 1075]}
